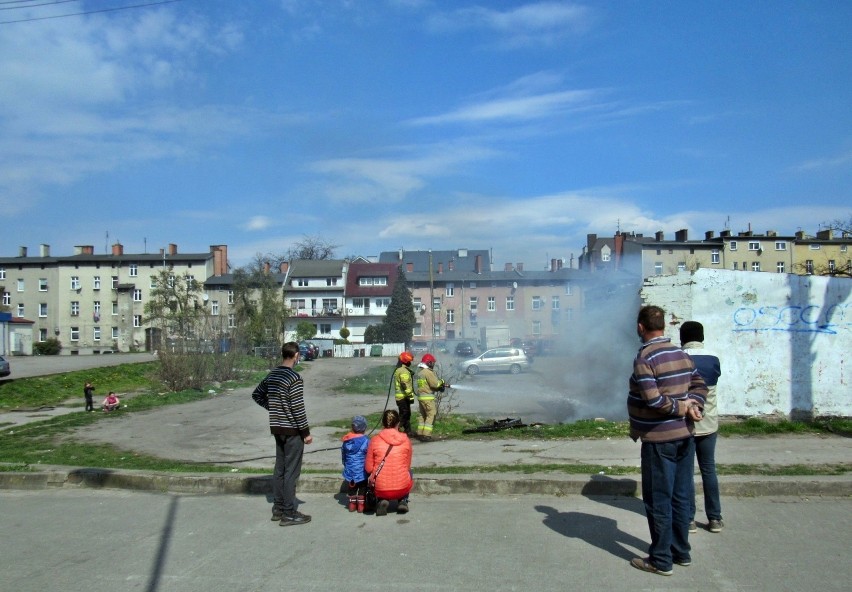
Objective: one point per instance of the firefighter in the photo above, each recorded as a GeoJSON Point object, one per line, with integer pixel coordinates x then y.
{"type": "Point", "coordinates": [404, 384]}
{"type": "Point", "coordinates": [428, 384]}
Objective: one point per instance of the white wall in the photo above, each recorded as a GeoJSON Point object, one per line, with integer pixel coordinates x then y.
{"type": "Point", "coordinates": [784, 340]}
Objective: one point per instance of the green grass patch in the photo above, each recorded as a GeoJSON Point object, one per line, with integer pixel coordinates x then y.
{"type": "Point", "coordinates": [375, 381]}
{"type": "Point", "coordinates": [754, 426]}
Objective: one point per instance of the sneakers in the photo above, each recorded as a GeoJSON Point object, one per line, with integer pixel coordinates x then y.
{"type": "Point", "coordinates": [382, 508]}
{"type": "Point", "coordinates": [693, 528]}
{"type": "Point", "coordinates": [402, 507]}
{"type": "Point", "coordinates": [686, 562]}
{"type": "Point", "coordinates": [277, 516]}
{"type": "Point", "coordinates": [715, 526]}
{"type": "Point", "coordinates": [294, 518]}
{"type": "Point", "coordinates": [646, 565]}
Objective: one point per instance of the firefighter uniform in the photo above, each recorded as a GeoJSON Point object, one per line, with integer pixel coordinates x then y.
{"type": "Point", "coordinates": [428, 384]}
{"type": "Point", "coordinates": [404, 384]}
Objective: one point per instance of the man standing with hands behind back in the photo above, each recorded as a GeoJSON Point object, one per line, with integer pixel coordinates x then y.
{"type": "Point", "coordinates": [666, 396]}
{"type": "Point", "coordinates": [281, 393]}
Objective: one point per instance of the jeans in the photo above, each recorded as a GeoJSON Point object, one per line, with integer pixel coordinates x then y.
{"type": "Point", "coordinates": [705, 452]}
{"type": "Point", "coordinates": [668, 490]}
{"type": "Point", "coordinates": [288, 467]}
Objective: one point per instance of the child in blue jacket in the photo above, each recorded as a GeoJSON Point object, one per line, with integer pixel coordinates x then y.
{"type": "Point", "coordinates": [354, 451]}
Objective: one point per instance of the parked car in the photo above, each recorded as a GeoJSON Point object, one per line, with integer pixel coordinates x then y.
{"type": "Point", "coordinates": [464, 348]}
{"type": "Point", "coordinates": [5, 369]}
{"type": "Point", "coordinates": [308, 352]}
{"type": "Point", "coordinates": [511, 359]}
{"type": "Point", "coordinates": [529, 346]}
{"type": "Point", "coordinates": [419, 347]}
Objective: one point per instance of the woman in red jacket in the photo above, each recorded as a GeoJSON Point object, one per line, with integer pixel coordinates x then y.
{"type": "Point", "coordinates": [389, 465]}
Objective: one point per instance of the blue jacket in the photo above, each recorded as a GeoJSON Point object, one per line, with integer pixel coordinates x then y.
{"type": "Point", "coordinates": [354, 453]}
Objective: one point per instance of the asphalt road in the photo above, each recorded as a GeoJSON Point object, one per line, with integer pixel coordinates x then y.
{"type": "Point", "coordinates": [93, 541]}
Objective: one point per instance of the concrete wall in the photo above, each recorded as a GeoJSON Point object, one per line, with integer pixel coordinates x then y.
{"type": "Point", "coordinates": [784, 340]}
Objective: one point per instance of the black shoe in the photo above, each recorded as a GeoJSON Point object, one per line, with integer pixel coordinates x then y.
{"type": "Point", "coordinates": [402, 507]}
{"type": "Point", "coordinates": [382, 508]}
{"type": "Point", "coordinates": [294, 518]}
{"type": "Point", "coordinates": [277, 516]}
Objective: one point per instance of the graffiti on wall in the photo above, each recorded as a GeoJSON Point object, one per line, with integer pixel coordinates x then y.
{"type": "Point", "coordinates": [793, 319]}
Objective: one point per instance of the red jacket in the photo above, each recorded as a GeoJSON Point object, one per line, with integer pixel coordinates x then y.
{"type": "Point", "coordinates": [396, 472]}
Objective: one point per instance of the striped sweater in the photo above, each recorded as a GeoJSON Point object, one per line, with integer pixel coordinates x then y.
{"type": "Point", "coordinates": [281, 393]}
{"type": "Point", "coordinates": [663, 378]}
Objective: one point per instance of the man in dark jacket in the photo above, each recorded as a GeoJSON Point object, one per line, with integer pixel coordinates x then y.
{"type": "Point", "coordinates": [281, 393]}
{"type": "Point", "coordinates": [666, 396]}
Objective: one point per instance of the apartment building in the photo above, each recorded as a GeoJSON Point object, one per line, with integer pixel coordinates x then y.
{"type": "Point", "coordinates": [94, 302]}
{"type": "Point", "coordinates": [826, 253]}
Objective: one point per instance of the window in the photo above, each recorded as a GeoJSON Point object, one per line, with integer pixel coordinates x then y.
{"type": "Point", "coordinates": [736, 266]}
{"type": "Point", "coordinates": [714, 256]}
{"type": "Point", "coordinates": [96, 310]}
{"type": "Point", "coordinates": [20, 285]}
{"type": "Point", "coordinates": [418, 305]}
{"type": "Point", "coordinates": [491, 303]}
{"type": "Point", "coordinates": [732, 246]}
{"type": "Point", "coordinates": [755, 266]}
{"type": "Point", "coordinates": [605, 256]}
{"type": "Point", "coordinates": [831, 266]}
{"type": "Point", "coordinates": [214, 308]}
{"type": "Point", "coordinates": [75, 333]}
{"type": "Point", "coordinates": [42, 335]}
{"type": "Point", "coordinates": [301, 282]}
{"type": "Point", "coordinates": [567, 289]}
{"type": "Point", "coordinates": [681, 266]}
{"type": "Point", "coordinates": [42, 285]}
{"type": "Point", "coordinates": [537, 303]}
{"type": "Point", "coordinates": [42, 309]}
{"type": "Point", "coordinates": [361, 303]}
{"type": "Point", "coordinates": [473, 285]}
{"type": "Point", "coordinates": [329, 305]}
{"type": "Point", "coordinates": [536, 327]}
{"type": "Point", "coordinates": [230, 296]}
{"type": "Point", "coordinates": [753, 246]}
{"type": "Point", "coordinates": [232, 320]}
{"type": "Point", "coordinates": [20, 312]}
{"type": "Point", "coordinates": [658, 268]}
{"type": "Point", "coordinates": [450, 290]}
{"type": "Point", "coordinates": [137, 320]}
{"type": "Point", "coordinates": [569, 313]}
{"type": "Point", "coordinates": [330, 281]}
{"type": "Point", "coordinates": [780, 246]}
{"type": "Point", "coordinates": [115, 282]}
{"type": "Point", "coordinates": [190, 281]}
{"type": "Point", "coordinates": [510, 303]}
{"type": "Point", "coordinates": [297, 303]}
{"type": "Point", "coordinates": [171, 281]}
{"type": "Point", "coordinates": [554, 302]}
{"type": "Point", "coordinates": [153, 283]}
{"type": "Point", "coordinates": [75, 282]}
{"type": "Point", "coordinates": [115, 332]}
{"type": "Point", "coordinates": [96, 282]}
{"type": "Point", "coordinates": [451, 316]}
{"type": "Point", "coordinates": [7, 298]}
{"type": "Point", "coordinates": [372, 281]}
{"type": "Point", "coordinates": [809, 266]}
{"type": "Point", "coordinates": [75, 308]}
{"type": "Point", "coordinates": [474, 302]}
{"type": "Point", "coordinates": [134, 270]}
{"type": "Point", "coordinates": [779, 267]}
{"type": "Point", "coordinates": [137, 295]}
{"type": "Point", "coordinates": [96, 333]}
{"type": "Point", "coordinates": [2, 273]}
{"type": "Point", "coordinates": [842, 249]}
{"type": "Point", "coordinates": [813, 247]}
{"type": "Point", "coordinates": [436, 303]}
{"type": "Point", "coordinates": [114, 307]}
{"type": "Point", "coordinates": [385, 302]}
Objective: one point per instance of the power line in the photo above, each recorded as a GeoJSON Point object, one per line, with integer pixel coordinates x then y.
{"type": "Point", "coordinates": [44, 18]}
{"type": "Point", "coordinates": [33, 5]}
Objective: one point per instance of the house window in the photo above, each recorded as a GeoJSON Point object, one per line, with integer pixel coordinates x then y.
{"type": "Point", "coordinates": [450, 290]}
{"type": "Point", "coordinates": [681, 266]}
{"type": "Point", "coordinates": [42, 285]}
{"type": "Point", "coordinates": [115, 282]}
{"type": "Point", "coordinates": [75, 282]}
{"type": "Point", "coordinates": [20, 310]}
{"type": "Point", "coordinates": [20, 285]}
{"type": "Point", "coordinates": [569, 313]}
{"type": "Point", "coordinates": [42, 309]}
{"type": "Point", "coordinates": [658, 268]}
{"type": "Point", "coordinates": [230, 296]}
{"type": "Point", "coordinates": [554, 302]}
{"type": "Point", "coordinates": [96, 310]}
{"type": "Point", "coordinates": [780, 246]}
{"type": "Point", "coordinates": [75, 308]}
{"type": "Point", "coordinates": [809, 266]}
{"type": "Point", "coordinates": [605, 256]}
{"type": "Point", "coordinates": [330, 281]}
{"type": "Point", "coordinates": [96, 282]}
{"type": "Point", "coordinates": [232, 320]}
{"type": "Point", "coordinates": [329, 305]}
{"type": "Point", "coordinates": [436, 303]}
{"type": "Point", "coordinates": [325, 328]}
{"type": "Point", "coordinates": [190, 282]}
{"type": "Point", "coordinates": [473, 285]}
{"type": "Point", "coordinates": [169, 282]}
{"type": "Point", "coordinates": [153, 283]}
{"type": "Point", "coordinates": [134, 270]}
{"type": "Point", "coordinates": [451, 316]}
{"type": "Point", "coordinates": [567, 289]}
{"type": "Point", "coordinates": [537, 303]}
{"type": "Point", "coordinates": [298, 303]}
{"type": "Point", "coordinates": [714, 256]}
{"type": "Point", "coordinates": [779, 267]}
{"type": "Point", "coordinates": [732, 246]}
{"type": "Point", "coordinates": [510, 303]}
{"type": "Point", "coordinates": [831, 267]}
{"type": "Point", "coordinates": [42, 335]}
{"type": "Point", "coordinates": [114, 307]}
{"type": "Point", "coordinates": [755, 266]}
{"type": "Point", "coordinates": [115, 332]}
{"type": "Point", "coordinates": [736, 265]}
{"type": "Point", "coordinates": [302, 282]}
{"type": "Point", "coordinates": [753, 246]}
{"type": "Point", "coordinates": [813, 247]}
{"type": "Point", "coordinates": [536, 327]}
{"type": "Point", "coordinates": [75, 333]}
{"type": "Point", "coordinates": [385, 302]}
{"type": "Point", "coordinates": [373, 281]}
{"type": "Point", "coordinates": [474, 302]}
{"type": "Point", "coordinates": [96, 333]}
{"type": "Point", "coordinates": [418, 331]}
{"type": "Point", "coordinates": [492, 303]}
{"type": "Point", "coordinates": [214, 308]}
{"type": "Point", "coordinates": [7, 298]}
{"type": "Point", "coordinates": [137, 295]}
{"type": "Point", "coordinates": [2, 273]}
{"type": "Point", "coordinates": [137, 320]}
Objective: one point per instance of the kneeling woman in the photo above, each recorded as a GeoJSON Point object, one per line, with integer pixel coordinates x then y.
{"type": "Point", "coordinates": [389, 465]}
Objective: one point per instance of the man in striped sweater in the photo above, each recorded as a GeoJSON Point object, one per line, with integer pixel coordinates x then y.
{"type": "Point", "coordinates": [666, 396]}
{"type": "Point", "coordinates": [281, 393]}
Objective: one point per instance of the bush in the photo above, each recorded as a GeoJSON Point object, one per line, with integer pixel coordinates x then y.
{"type": "Point", "coordinates": [49, 347]}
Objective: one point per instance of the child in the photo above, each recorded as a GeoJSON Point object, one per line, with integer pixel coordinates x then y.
{"type": "Point", "coordinates": [88, 392]}
{"type": "Point", "coordinates": [111, 402]}
{"type": "Point", "coordinates": [354, 451]}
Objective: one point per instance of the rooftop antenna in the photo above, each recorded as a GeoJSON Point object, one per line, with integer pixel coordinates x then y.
{"type": "Point", "coordinates": [728, 223]}
{"type": "Point", "coordinates": [106, 244]}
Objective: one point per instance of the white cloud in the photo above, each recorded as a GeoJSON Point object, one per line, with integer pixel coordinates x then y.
{"type": "Point", "coordinates": [257, 223]}
{"type": "Point", "coordinates": [841, 161]}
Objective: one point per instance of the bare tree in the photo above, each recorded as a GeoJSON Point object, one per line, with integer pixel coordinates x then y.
{"type": "Point", "coordinates": [311, 247]}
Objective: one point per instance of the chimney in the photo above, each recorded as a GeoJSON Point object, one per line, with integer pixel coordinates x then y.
{"type": "Point", "coordinates": [725, 233]}
{"type": "Point", "coordinates": [519, 267]}
{"type": "Point", "coordinates": [44, 250]}
{"type": "Point", "coordinates": [559, 263]}
{"type": "Point", "coordinates": [220, 259]}
{"type": "Point", "coordinates": [451, 264]}
{"type": "Point", "coordinates": [266, 267]}
{"type": "Point", "coordinates": [22, 252]}
{"type": "Point", "coordinates": [117, 250]}
{"type": "Point", "coordinates": [659, 235]}
{"type": "Point", "coordinates": [771, 233]}
{"type": "Point", "coordinates": [477, 264]}
{"type": "Point", "coordinates": [508, 267]}
{"type": "Point", "coordinates": [409, 267]}
{"type": "Point", "coordinates": [284, 267]}
{"type": "Point", "coordinates": [682, 235]}
{"type": "Point", "coordinates": [618, 248]}
{"type": "Point", "coordinates": [172, 249]}
{"type": "Point", "coordinates": [440, 268]}
{"type": "Point", "coordinates": [826, 234]}
{"type": "Point", "coordinates": [553, 265]}
{"type": "Point", "coordinates": [708, 235]}
{"type": "Point", "coordinates": [800, 235]}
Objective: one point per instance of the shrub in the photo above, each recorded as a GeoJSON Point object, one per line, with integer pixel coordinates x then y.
{"type": "Point", "coordinates": [49, 347]}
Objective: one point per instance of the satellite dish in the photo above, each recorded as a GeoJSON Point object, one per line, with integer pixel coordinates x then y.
{"type": "Point", "coordinates": [205, 297]}
{"type": "Point", "coordinates": [514, 285]}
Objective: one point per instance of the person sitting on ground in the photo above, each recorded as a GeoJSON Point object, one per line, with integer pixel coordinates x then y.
{"type": "Point", "coordinates": [354, 453]}
{"type": "Point", "coordinates": [111, 402]}
{"type": "Point", "coordinates": [389, 465]}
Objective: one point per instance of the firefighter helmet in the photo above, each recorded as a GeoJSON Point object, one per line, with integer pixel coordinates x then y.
{"type": "Point", "coordinates": [406, 357]}
{"type": "Point", "coordinates": [428, 359]}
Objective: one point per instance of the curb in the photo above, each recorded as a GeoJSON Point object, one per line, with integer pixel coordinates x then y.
{"type": "Point", "coordinates": [475, 484]}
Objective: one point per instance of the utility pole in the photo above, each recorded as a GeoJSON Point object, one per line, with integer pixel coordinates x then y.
{"type": "Point", "coordinates": [431, 302]}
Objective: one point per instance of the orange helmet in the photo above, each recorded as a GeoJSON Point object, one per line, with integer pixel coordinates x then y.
{"type": "Point", "coordinates": [428, 359]}
{"type": "Point", "coordinates": [406, 357]}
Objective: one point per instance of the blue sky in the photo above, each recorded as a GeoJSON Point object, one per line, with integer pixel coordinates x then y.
{"type": "Point", "coordinates": [512, 126]}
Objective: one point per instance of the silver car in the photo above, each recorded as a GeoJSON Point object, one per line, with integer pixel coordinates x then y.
{"type": "Point", "coordinates": [4, 367]}
{"type": "Point", "coordinates": [511, 359]}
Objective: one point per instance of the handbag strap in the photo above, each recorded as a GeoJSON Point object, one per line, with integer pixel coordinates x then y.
{"type": "Point", "coordinates": [382, 464]}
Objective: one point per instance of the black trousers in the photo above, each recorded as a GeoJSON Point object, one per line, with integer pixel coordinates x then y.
{"type": "Point", "coordinates": [404, 406]}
